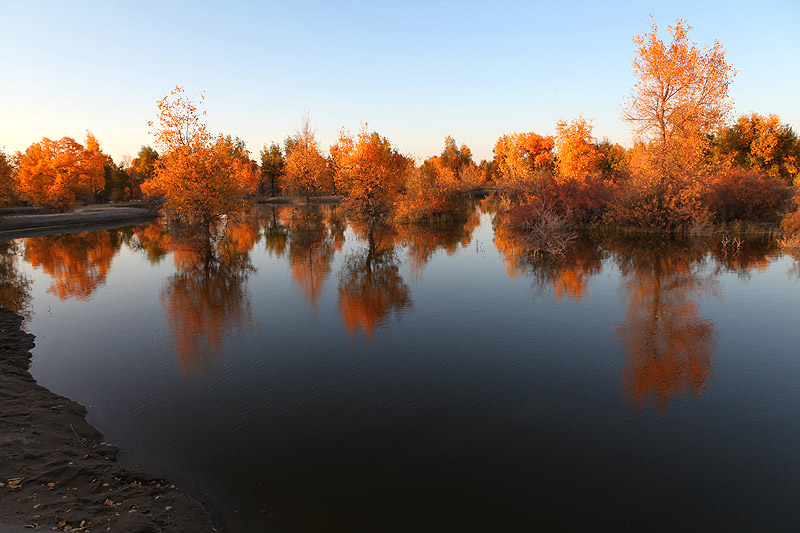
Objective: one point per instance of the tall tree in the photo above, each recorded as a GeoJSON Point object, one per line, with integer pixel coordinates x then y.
{"type": "Point", "coordinates": [272, 164]}
{"type": "Point", "coordinates": [680, 89]}
{"type": "Point", "coordinates": [201, 177]}
{"type": "Point", "coordinates": [93, 163]}
{"type": "Point", "coordinates": [679, 101]}
{"type": "Point", "coordinates": [370, 172]}
{"type": "Point", "coordinates": [306, 171]}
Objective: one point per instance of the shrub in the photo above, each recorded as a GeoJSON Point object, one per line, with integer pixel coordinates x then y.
{"type": "Point", "coordinates": [740, 194]}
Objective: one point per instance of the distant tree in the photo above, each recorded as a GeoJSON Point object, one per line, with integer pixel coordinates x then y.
{"type": "Point", "coordinates": [520, 153]}
{"type": "Point", "coordinates": [201, 177]}
{"type": "Point", "coordinates": [117, 183]}
{"type": "Point", "coordinates": [306, 171]}
{"type": "Point", "coordinates": [613, 159]}
{"type": "Point", "coordinates": [578, 157]}
{"type": "Point", "coordinates": [488, 170]}
{"type": "Point", "coordinates": [522, 159]}
{"type": "Point", "coordinates": [272, 165]}
{"type": "Point", "coordinates": [8, 180]}
{"type": "Point", "coordinates": [142, 168]}
{"type": "Point", "coordinates": [453, 157]}
{"type": "Point", "coordinates": [94, 162]}
{"type": "Point", "coordinates": [762, 143]}
{"type": "Point", "coordinates": [370, 173]}
{"type": "Point", "coordinates": [58, 173]}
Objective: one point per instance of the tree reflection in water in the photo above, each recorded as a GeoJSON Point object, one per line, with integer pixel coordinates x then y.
{"type": "Point", "coordinates": [78, 263]}
{"type": "Point", "coordinates": [15, 288]}
{"type": "Point", "coordinates": [371, 289]}
{"type": "Point", "coordinates": [567, 275]}
{"type": "Point", "coordinates": [424, 240]}
{"type": "Point", "coordinates": [276, 234]}
{"type": "Point", "coordinates": [668, 343]}
{"type": "Point", "coordinates": [206, 299]}
{"type": "Point", "coordinates": [312, 247]}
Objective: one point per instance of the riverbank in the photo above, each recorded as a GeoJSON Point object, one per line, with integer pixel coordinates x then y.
{"type": "Point", "coordinates": [56, 473]}
{"type": "Point", "coordinates": [14, 225]}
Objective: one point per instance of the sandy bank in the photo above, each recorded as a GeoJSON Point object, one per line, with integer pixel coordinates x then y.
{"type": "Point", "coordinates": [89, 217]}
{"type": "Point", "coordinates": [56, 473]}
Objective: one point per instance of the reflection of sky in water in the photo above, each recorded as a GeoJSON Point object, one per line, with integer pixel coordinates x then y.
{"type": "Point", "coordinates": [475, 388]}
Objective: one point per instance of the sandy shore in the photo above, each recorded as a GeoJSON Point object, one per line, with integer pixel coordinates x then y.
{"type": "Point", "coordinates": [56, 473]}
{"type": "Point", "coordinates": [89, 217]}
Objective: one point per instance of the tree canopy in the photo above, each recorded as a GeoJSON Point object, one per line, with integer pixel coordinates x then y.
{"type": "Point", "coordinates": [201, 177]}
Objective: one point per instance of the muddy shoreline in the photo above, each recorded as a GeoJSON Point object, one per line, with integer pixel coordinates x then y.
{"type": "Point", "coordinates": [57, 473]}
{"type": "Point", "coordinates": [14, 225]}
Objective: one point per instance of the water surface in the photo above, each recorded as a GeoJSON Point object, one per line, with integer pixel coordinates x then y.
{"type": "Point", "coordinates": [302, 375]}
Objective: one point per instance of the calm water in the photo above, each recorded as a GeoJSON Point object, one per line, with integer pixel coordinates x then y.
{"type": "Point", "coordinates": [301, 376]}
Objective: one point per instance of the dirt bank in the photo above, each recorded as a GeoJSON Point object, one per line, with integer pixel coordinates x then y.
{"type": "Point", "coordinates": [13, 226]}
{"type": "Point", "coordinates": [56, 473]}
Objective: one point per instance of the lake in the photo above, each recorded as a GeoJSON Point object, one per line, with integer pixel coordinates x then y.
{"type": "Point", "coordinates": [302, 374]}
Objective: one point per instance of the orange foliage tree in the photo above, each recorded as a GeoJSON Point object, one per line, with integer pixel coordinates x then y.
{"type": "Point", "coordinates": [521, 159]}
{"type": "Point", "coordinates": [432, 190]}
{"type": "Point", "coordinates": [58, 173]}
{"type": "Point", "coordinates": [459, 162]}
{"type": "Point", "coordinates": [370, 173]}
{"type": "Point", "coordinates": [305, 170]}
{"type": "Point", "coordinates": [680, 99]}
{"type": "Point", "coordinates": [680, 88]}
{"type": "Point", "coordinates": [580, 186]}
{"type": "Point", "coordinates": [578, 156]}
{"type": "Point", "coordinates": [200, 177]}
{"type": "Point", "coordinates": [762, 143]}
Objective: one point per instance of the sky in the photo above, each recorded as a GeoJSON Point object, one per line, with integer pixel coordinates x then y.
{"type": "Point", "coordinates": [413, 71]}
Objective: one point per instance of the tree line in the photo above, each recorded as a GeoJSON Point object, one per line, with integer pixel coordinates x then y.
{"type": "Point", "coordinates": [689, 166]}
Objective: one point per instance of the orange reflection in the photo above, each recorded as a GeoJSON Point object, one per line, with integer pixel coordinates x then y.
{"type": "Point", "coordinates": [207, 298]}
{"type": "Point", "coordinates": [743, 254]}
{"type": "Point", "coordinates": [78, 263]}
{"type": "Point", "coordinates": [370, 286]}
{"type": "Point", "coordinates": [668, 343]}
{"type": "Point", "coordinates": [15, 288]}
{"type": "Point", "coordinates": [311, 250]}
{"type": "Point", "coordinates": [425, 240]}
{"type": "Point", "coordinates": [276, 234]}
{"type": "Point", "coordinates": [567, 275]}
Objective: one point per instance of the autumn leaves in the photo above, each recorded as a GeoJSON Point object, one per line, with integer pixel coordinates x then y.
{"type": "Point", "coordinates": [60, 172]}
{"type": "Point", "coordinates": [684, 169]}
{"type": "Point", "coordinates": [200, 176]}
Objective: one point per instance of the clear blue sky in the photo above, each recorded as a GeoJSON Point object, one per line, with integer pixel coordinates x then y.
{"type": "Point", "coordinates": [415, 71]}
